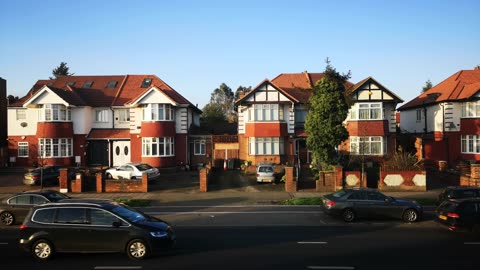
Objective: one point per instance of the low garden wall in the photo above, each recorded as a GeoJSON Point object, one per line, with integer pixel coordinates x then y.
{"type": "Point", "coordinates": [403, 181]}
{"type": "Point", "coordinates": [354, 179]}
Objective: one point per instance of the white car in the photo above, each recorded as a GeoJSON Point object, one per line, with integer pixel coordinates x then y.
{"type": "Point", "coordinates": [132, 171]}
{"type": "Point", "coordinates": [265, 173]}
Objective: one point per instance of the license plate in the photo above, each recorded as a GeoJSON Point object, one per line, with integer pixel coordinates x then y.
{"type": "Point", "coordinates": [442, 217]}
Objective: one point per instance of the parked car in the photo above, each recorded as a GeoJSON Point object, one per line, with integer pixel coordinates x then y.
{"type": "Point", "coordinates": [354, 203]}
{"type": "Point", "coordinates": [265, 173]}
{"type": "Point", "coordinates": [100, 226]}
{"type": "Point", "coordinates": [49, 174]}
{"type": "Point", "coordinates": [458, 192]}
{"type": "Point", "coordinates": [132, 171]}
{"type": "Point", "coordinates": [16, 207]}
{"type": "Point", "coordinates": [460, 214]}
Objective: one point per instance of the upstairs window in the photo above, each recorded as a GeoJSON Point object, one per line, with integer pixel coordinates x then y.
{"type": "Point", "coordinates": [123, 115]}
{"type": "Point", "coordinates": [267, 112]}
{"type": "Point", "coordinates": [112, 84]}
{"type": "Point", "coordinates": [158, 112]}
{"type": "Point", "coordinates": [56, 112]}
{"type": "Point", "coordinates": [419, 115]}
{"type": "Point", "coordinates": [471, 109]}
{"type": "Point", "coordinates": [21, 114]}
{"type": "Point", "coordinates": [101, 116]}
{"type": "Point", "coordinates": [146, 82]}
{"type": "Point", "coordinates": [367, 111]}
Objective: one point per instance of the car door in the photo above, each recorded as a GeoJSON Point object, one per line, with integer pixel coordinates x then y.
{"type": "Point", "coordinates": [469, 213]}
{"type": "Point", "coordinates": [380, 205]}
{"type": "Point", "coordinates": [358, 201]}
{"type": "Point", "coordinates": [70, 232]}
{"type": "Point", "coordinates": [103, 234]}
{"type": "Point", "coordinates": [20, 205]}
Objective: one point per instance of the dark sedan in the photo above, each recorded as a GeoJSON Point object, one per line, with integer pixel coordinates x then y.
{"type": "Point", "coordinates": [16, 207]}
{"type": "Point", "coordinates": [369, 203]}
{"type": "Point", "coordinates": [47, 175]}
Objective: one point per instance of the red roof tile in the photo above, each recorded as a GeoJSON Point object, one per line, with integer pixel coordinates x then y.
{"type": "Point", "coordinates": [109, 134]}
{"type": "Point", "coordinates": [460, 86]}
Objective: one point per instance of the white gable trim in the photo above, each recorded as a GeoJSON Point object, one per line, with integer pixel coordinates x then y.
{"type": "Point", "coordinates": [154, 91]}
{"type": "Point", "coordinates": [267, 92]}
{"type": "Point", "coordinates": [45, 91]}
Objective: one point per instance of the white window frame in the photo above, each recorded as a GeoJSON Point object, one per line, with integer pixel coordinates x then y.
{"type": "Point", "coordinates": [470, 144]}
{"type": "Point", "coordinates": [266, 146]}
{"type": "Point", "coordinates": [55, 147]}
{"type": "Point", "coordinates": [367, 111]}
{"type": "Point", "coordinates": [158, 147]}
{"type": "Point", "coordinates": [21, 114]}
{"type": "Point", "coordinates": [158, 112]}
{"type": "Point", "coordinates": [364, 145]}
{"type": "Point", "coordinates": [471, 109]}
{"type": "Point", "coordinates": [266, 113]}
{"type": "Point", "coordinates": [56, 113]}
{"type": "Point", "coordinates": [101, 115]}
{"type": "Point", "coordinates": [199, 148]}
{"type": "Point", "coordinates": [419, 115]}
{"type": "Point", "coordinates": [22, 149]}
{"type": "Point", "coordinates": [124, 115]}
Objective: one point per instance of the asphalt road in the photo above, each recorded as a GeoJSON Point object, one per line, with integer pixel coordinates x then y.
{"type": "Point", "coordinates": [266, 237]}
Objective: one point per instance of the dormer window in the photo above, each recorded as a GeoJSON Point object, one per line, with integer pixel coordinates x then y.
{"type": "Point", "coordinates": [70, 84]}
{"type": "Point", "coordinates": [146, 82]}
{"type": "Point", "coordinates": [112, 84]}
{"type": "Point", "coordinates": [87, 84]}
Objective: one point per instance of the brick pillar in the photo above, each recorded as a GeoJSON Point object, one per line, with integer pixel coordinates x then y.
{"type": "Point", "coordinates": [203, 180]}
{"type": "Point", "coordinates": [77, 183]}
{"type": "Point", "coordinates": [63, 180]}
{"type": "Point", "coordinates": [144, 182]}
{"type": "Point", "coordinates": [363, 182]}
{"type": "Point", "coordinates": [99, 182]}
{"type": "Point", "coordinates": [338, 177]}
{"type": "Point", "coordinates": [290, 183]}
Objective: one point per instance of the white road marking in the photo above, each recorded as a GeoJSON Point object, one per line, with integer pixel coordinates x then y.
{"type": "Point", "coordinates": [311, 243]}
{"type": "Point", "coordinates": [232, 206]}
{"type": "Point", "coordinates": [332, 267]}
{"type": "Point", "coordinates": [117, 267]}
{"type": "Point", "coordinates": [472, 243]}
{"type": "Point", "coordinates": [230, 212]}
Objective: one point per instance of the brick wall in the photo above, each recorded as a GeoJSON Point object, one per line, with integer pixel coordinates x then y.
{"type": "Point", "coordinates": [204, 180]}
{"type": "Point", "coordinates": [290, 182]}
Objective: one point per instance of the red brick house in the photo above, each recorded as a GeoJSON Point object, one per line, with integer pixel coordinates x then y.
{"type": "Point", "coordinates": [446, 118]}
{"type": "Point", "coordinates": [101, 120]}
{"type": "Point", "coordinates": [271, 119]}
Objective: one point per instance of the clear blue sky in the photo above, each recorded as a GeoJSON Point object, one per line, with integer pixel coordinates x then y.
{"type": "Point", "coordinates": [194, 46]}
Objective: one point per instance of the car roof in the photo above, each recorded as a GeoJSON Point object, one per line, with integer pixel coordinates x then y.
{"type": "Point", "coordinates": [105, 204]}
{"type": "Point", "coordinates": [37, 192]}
{"type": "Point", "coordinates": [462, 187]}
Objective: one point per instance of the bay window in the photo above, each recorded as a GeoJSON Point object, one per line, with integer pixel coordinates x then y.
{"type": "Point", "coordinates": [266, 112]}
{"type": "Point", "coordinates": [470, 144]}
{"type": "Point", "coordinates": [266, 146]}
{"type": "Point", "coordinates": [366, 111]}
{"type": "Point", "coordinates": [471, 109]}
{"type": "Point", "coordinates": [158, 112]}
{"type": "Point", "coordinates": [56, 112]}
{"type": "Point", "coordinates": [374, 145]}
{"type": "Point", "coordinates": [158, 147]}
{"type": "Point", "coordinates": [55, 147]}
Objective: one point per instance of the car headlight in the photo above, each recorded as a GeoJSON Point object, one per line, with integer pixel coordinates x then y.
{"type": "Point", "coordinates": [159, 234]}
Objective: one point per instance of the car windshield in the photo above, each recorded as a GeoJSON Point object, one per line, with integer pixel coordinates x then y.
{"type": "Point", "coordinates": [143, 167]}
{"type": "Point", "coordinates": [129, 214]}
{"type": "Point", "coordinates": [55, 196]}
{"type": "Point", "coordinates": [265, 169]}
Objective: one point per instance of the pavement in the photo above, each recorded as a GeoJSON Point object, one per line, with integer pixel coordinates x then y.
{"type": "Point", "coordinates": [182, 188]}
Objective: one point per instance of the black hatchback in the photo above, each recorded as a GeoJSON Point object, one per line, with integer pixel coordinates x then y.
{"type": "Point", "coordinates": [352, 203]}
{"type": "Point", "coordinates": [91, 227]}
{"type": "Point", "coordinates": [460, 214]}
{"type": "Point", "coordinates": [458, 192]}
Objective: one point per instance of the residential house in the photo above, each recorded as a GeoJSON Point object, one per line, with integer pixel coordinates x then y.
{"type": "Point", "coordinates": [447, 118]}
{"type": "Point", "coordinates": [271, 119]}
{"type": "Point", "coordinates": [3, 123]}
{"type": "Point", "coordinates": [101, 120]}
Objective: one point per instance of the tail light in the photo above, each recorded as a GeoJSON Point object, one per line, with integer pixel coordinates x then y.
{"type": "Point", "coordinates": [23, 227]}
{"type": "Point", "coordinates": [36, 177]}
{"type": "Point", "coordinates": [258, 174]}
{"type": "Point", "coordinates": [453, 215]}
{"type": "Point", "coordinates": [330, 204]}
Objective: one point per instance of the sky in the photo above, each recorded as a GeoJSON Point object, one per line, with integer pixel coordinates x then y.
{"type": "Point", "coordinates": [194, 46]}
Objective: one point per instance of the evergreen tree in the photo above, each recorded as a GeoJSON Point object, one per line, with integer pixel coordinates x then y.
{"type": "Point", "coordinates": [328, 109]}
{"type": "Point", "coordinates": [428, 85]}
{"type": "Point", "coordinates": [61, 70]}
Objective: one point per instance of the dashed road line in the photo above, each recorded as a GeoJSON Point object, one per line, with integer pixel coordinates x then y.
{"type": "Point", "coordinates": [117, 267]}
{"type": "Point", "coordinates": [331, 267]}
{"type": "Point", "coordinates": [471, 243]}
{"type": "Point", "coordinates": [311, 243]}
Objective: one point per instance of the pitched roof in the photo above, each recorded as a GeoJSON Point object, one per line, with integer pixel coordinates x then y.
{"type": "Point", "coordinates": [102, 91]}
{"type": "Point", "coordinates": [460, 86]}
{"type": "Point", "coordinates": [296, 86]}
{"type": "Point", "coordinates": [356, 86]}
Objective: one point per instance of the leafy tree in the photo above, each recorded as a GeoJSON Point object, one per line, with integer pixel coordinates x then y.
{"type": "Point", "coordinates": [428, 85]}
{"type": "Point", "coordinates": [242, 90]}
{"type": "Point", "coordinates": [328, 109]}
{"type": "Point", "coordinates": [12, 99]}
{"type": "Point", "coordinates": [221, 103]}
{"type": "Point", "coordinates": [61, 70]}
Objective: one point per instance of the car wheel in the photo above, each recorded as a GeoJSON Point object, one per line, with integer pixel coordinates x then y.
{"type": "Point", "coordinates": [348, 215]}
{"type": "Point", "coordinates": [410, 215]}
{"type": "Point", "coordinates": [7, 218]}
{"type": "Point", "coordinates": [42, 250]}
{"type": "Point", "coordinates": [137, 249]}
{"type": "Point", "coordinates": [109, 176]}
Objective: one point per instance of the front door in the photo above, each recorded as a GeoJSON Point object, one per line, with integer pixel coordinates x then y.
{"type": "Point", "coordinates": [121, 152]}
